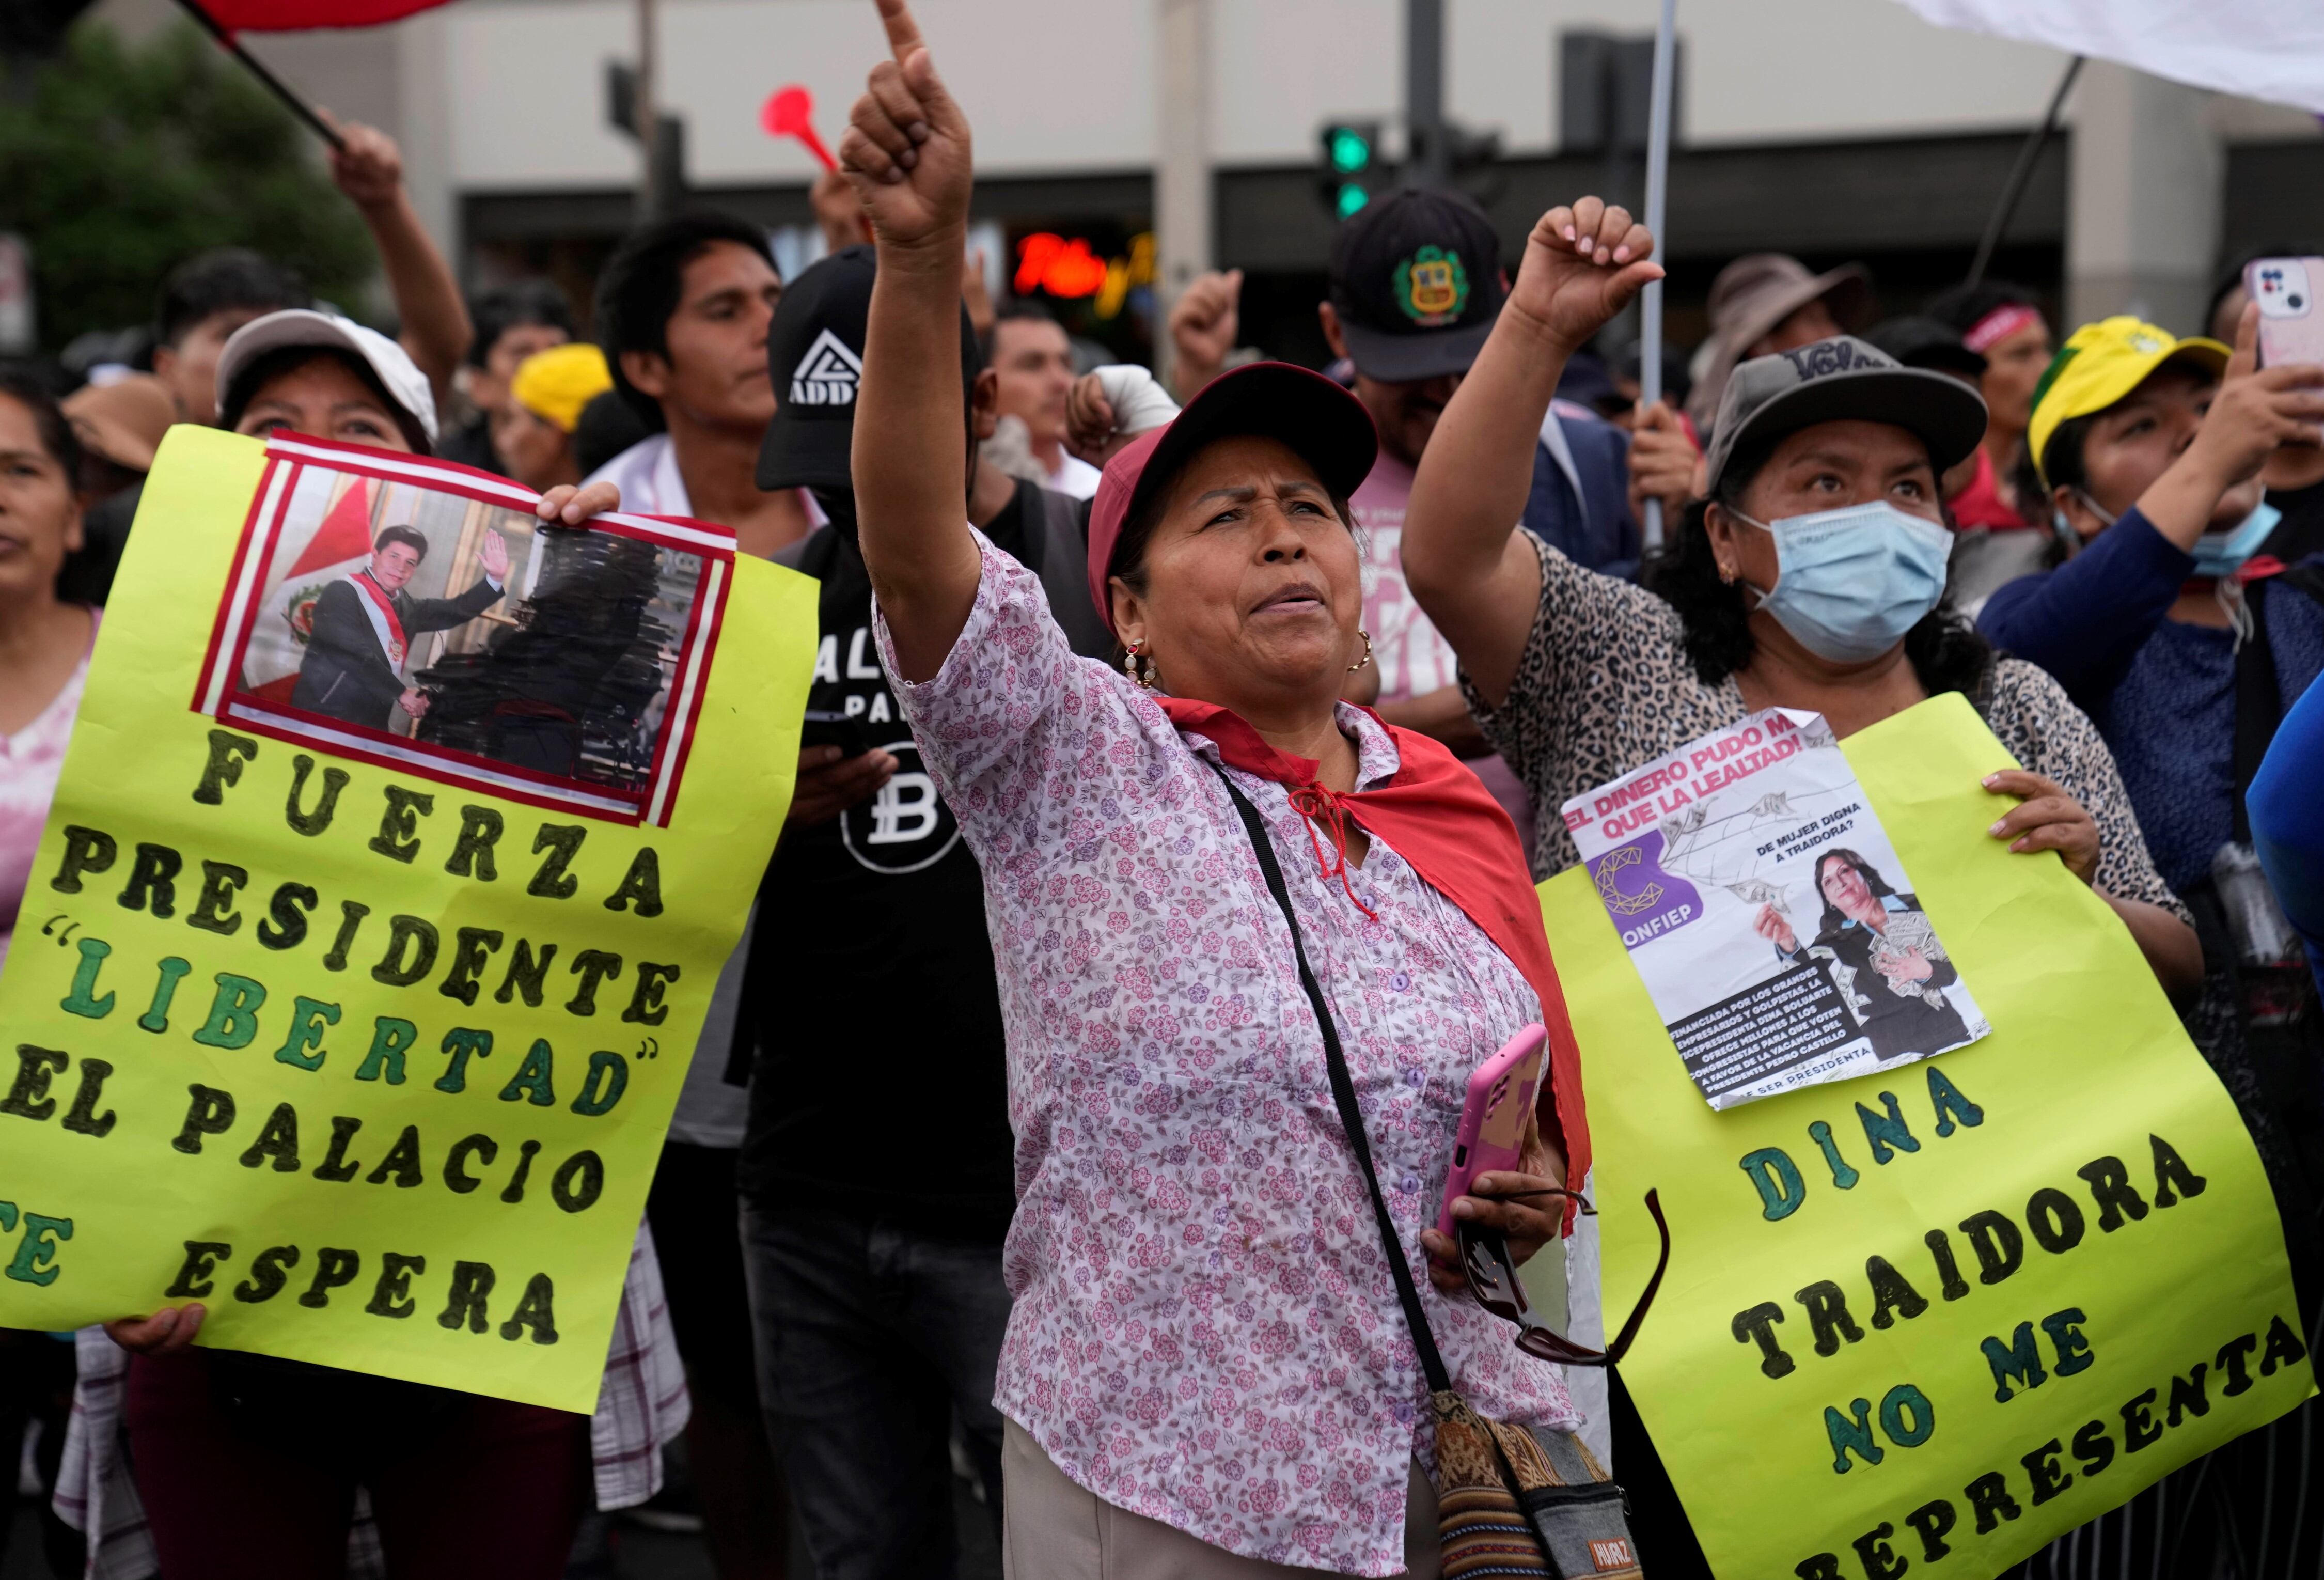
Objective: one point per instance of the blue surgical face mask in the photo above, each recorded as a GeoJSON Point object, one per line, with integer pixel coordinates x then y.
{"type": "Point", "coordinates": [1850, 582]}
{"type": "Point", "coordinates": [2220, 555]}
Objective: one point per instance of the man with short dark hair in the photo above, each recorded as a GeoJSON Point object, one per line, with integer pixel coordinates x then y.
{"type": "Point", "coordinates": [204, 301]}
{"type": "Point", "coordinates": [1416, 286]}
{"type": "Point", "coordinates": [512, 323]}
{"type": "Point", "coordinates": [364, 623]}
{"type": "Point", "coordinates": [1033, 358]}
{"type": "Point", "coordinates": [683, 307]}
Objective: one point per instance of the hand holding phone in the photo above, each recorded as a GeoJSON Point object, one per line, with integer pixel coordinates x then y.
{"type": "Point", "coordinates": [1492, 1135]}
{"type": "Point", "coordinates": [828, 728]}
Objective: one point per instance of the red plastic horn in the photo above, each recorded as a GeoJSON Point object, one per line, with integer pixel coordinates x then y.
{"type": "Point", "coordinates": [789, 111]}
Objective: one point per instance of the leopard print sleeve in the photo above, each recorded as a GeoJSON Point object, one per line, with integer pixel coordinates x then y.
{"type": "Point", "coordinates": [1603, 686]}
{"type": "Point", "coordinates": [2047, 734]}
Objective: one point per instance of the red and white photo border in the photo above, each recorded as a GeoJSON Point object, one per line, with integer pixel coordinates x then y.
{"type": "Point", "coordinates": [217, 697]}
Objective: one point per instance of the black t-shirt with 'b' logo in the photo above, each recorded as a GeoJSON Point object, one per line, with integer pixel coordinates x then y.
{"type": "Point", "coordinates": [881, 1077]}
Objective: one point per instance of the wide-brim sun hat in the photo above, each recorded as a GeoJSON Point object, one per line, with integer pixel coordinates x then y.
{"type": "Point", "coordinates": [397, 374]}
{"type": "Point", "coordinates": [1751, 298]}
{"type": "Point", "coordinates": [1316, 419]}
{"type": "Point", "coordinates": [1843, 380]}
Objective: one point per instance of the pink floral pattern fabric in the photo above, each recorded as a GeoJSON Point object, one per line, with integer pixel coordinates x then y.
{"type": "Point", "coordinates": [1205, 1332]}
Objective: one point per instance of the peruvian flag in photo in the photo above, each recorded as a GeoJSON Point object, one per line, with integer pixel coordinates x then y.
{"type": "Point", "coordinates": [340, 547]}
{"type": "Point", "coordinates": [290, 15]}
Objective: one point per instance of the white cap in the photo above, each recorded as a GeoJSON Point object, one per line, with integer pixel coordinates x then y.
{"type": "Point", "coordinates": [397, 374]}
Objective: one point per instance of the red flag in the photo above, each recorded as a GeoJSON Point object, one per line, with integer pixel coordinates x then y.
{"type": "Point", "coordinates": [289, 16]}
{"type": "Point", "coordinates": [345, 534]}
{"type": "Point", "coordinates": [278, 640]}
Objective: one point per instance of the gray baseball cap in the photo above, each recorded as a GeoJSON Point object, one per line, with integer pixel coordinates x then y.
{"type": "Point", "coordinates": [1843, 379]}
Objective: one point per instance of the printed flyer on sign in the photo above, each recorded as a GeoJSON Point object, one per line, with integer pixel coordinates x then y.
{"type": "Point", "coordinates": [399, 843]}
{"type": "Point", "coordinates": [1766, 910]}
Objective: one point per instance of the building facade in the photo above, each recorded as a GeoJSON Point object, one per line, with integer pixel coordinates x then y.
{"type": "Point", "coordinates": [1834, 129]}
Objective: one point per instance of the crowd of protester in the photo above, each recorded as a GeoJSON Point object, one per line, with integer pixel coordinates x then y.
{"type": "Point", "coordinates": [1176, 633]}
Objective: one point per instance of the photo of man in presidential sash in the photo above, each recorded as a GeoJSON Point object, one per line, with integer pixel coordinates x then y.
{"type": "Point", "coordinates": [361, 626]}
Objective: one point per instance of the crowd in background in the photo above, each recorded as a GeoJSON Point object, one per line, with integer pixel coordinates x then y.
{"type": "Point", "coordinates": [2108, 536]}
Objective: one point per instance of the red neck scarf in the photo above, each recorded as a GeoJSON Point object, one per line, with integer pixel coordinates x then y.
{"type": "Point", "coordinates": [1436, 813]}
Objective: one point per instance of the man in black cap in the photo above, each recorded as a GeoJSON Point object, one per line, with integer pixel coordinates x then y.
{"type": "Point", "coordinates": [877, 1172]}
{"type": "Point", "coordinates": [1415, 285]}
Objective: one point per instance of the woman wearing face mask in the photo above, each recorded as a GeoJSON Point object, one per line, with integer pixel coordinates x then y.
{"type": "Point", "coordinates": [1809, 578]}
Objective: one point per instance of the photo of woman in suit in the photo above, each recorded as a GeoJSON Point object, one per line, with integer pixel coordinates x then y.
{"type": "Point", "coordinates": [363, 624]}
{"type": "Point", "coordinates": [1880, 952]}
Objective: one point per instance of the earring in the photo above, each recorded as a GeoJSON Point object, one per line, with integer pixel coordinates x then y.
{"type": "Point", "coordinates": [1139, 666]}
{"type": "Point", "coordinates": [1367, 659]}
{"type": "Point", "coordinates": [1727, 574]}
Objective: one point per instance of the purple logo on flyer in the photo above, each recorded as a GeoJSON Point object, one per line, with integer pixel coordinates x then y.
{"type": "Point", "coordinates": [1644, 902]}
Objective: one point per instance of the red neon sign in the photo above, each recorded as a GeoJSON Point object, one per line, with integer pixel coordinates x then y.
{"type": "Point", "coordinates": [1060, 267]}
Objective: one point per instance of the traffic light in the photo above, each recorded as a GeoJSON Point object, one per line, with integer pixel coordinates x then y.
{"type": "Point", "coordinates": [1351, 166]}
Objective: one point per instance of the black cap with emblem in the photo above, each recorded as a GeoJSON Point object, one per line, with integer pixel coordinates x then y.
{"type": "Point", "coordinates": [1416, 282]}
{"type": "Point", "coordinates": [815, 355]}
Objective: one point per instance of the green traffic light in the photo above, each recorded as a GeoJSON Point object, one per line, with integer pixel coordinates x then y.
{"type": "Point", "coordinates": [1351, 151]}
{"type": "Point", "coordinates": [1351, 199]}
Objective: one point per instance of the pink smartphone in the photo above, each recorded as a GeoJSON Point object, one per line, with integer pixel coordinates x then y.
{"type": "Point", "coordinates": [2290, 324]}
{"type": "Point", "coordinates": [1492, 1123]}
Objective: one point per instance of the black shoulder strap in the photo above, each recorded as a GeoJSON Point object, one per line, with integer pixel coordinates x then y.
{"type": "Point", "coordinates": [1343, 1094]}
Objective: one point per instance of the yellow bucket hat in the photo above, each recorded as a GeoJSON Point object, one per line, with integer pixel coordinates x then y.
{"type": "Point", "coordinates": [556, 383]}
{"type": "Point", "coordinates": [2101, 362]}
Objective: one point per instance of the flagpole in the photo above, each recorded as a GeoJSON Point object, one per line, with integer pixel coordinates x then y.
{"type": "Point", "coordinates": [2021, 171]}
{"type": "Point", "coordinates": [1650, 301]}
{"type": "Point", "coordinates": [274, 84]}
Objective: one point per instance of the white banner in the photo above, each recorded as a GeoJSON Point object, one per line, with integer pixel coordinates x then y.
{"type": "Point", "coordinates": [2272, 50]}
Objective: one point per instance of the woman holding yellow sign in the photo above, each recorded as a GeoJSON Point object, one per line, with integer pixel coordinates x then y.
{"type": "Point", "coordinates": [245, 1464]}
{"type": "Point", "coordinates": [1811, 577]}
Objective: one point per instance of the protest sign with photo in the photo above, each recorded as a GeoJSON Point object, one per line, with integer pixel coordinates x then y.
{"type": "Point", "coordinates": [1938, 1314]}
{"type": "Point", "coordinates": [1762, 902]}
{"type": "Point", "coordinates": [399, 843]}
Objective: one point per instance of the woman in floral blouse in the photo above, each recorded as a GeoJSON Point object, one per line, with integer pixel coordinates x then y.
{"type": "Point", "coordinates": [1207, 1371]}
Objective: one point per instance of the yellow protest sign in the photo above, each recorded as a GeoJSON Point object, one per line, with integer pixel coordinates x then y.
{"type": "Point", "coordinates": [399, 845]}
{"type": "Point", "coordinates": [1947, 1311]}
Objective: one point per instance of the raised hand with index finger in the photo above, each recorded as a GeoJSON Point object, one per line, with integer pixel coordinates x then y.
{"type": "Point", "coordinates": [907, 147]}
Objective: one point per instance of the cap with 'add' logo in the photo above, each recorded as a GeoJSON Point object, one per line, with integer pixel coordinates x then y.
{"type": "Point", "coordinates": [815, 358]}
{"type": "Point", "coordinates": [1417, 284]}
{"type": "Point", "coordinates": [827, 375]}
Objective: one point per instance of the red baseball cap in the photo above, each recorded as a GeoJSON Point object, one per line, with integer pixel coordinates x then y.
{"type": "Point", "coordinates": [1319, 422]}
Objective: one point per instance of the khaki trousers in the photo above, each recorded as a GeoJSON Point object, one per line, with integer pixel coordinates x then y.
{"type": "Point", "coordinates": [1052, 1529]}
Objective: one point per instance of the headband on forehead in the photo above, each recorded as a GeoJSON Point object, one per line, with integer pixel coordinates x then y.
{"type": "Point", "coordinates": [1999, 325]}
